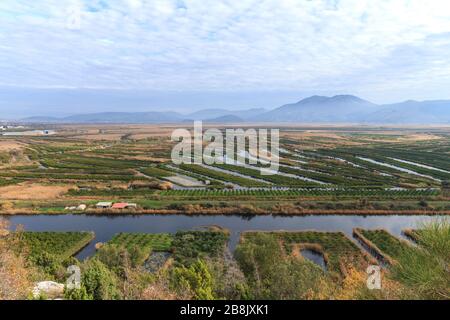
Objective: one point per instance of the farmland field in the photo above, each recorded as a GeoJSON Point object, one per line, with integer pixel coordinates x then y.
{"type": "Point", "coordinates": [148, 241]}
{"type": "Point", "coordinates": [60, 244]}
{"type": "Point", "coordinates": [188, 246]}
{"type": "Point", "coordinates": [339, 252]}
{"type": "Point", "coordinates": [138, 245]}
{"type": "Point", "coordinates": [367, 170]}
{"type": "Point", "coordinates": [382, 243]}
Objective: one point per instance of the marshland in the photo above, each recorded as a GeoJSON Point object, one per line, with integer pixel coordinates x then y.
{"type": "Point", "coordinates": [345, 198]}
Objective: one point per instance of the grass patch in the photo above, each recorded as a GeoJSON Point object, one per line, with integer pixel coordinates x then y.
{"type": "Point", "coordinates": [61, 244]}
{"type": "Point", "coordinates": [339, 251]}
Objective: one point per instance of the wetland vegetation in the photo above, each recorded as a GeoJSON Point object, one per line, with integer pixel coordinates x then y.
{"type": "Point", "coordinates": [324, 172]}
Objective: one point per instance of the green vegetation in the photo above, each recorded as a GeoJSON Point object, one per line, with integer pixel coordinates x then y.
{"type": "Point", "coordinates": [383, 243]}
{"type": "Point", "coordinates": [138, 246]}
{"type": "Point", "coordinates": [272, 275]}
{"type": "Point", "coordinates": [60, 244]}
{"type": "Point", "coordinates": [196, 279]}
{"type": "Point", "coordinates": [268, 265]}
{"type": "Point", "coordinates": [339, 251]}
{"type": "Point", "coordinates": [320, 165]}
{"type": "Point", "coordinates": [223, 176]}
{"type": "Point", "coordinates": [423, 270]}
{"type": "Point", "coordinates": [155, 242]}
{"type": "Point", "coordinates": [189, 246]}
{"type": "Point", "coordinates": [157, 172]}
{"type": "Point", "coordinates": [349, 193]}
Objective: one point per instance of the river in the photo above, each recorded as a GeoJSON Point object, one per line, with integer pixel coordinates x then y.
{"type": "Point", "coordinates": [106, 226]}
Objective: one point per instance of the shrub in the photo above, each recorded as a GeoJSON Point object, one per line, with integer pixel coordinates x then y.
{"type": "Point", "coordinates": [272, 276]}
{"type": "Point", "coordinates": [76, 294]}
{"type": "Point", "coordinates": [99, 281]}
{"type": "Point", "coordinates": [196, 279]}
{"type": "Point", "coordinates": [47, 262]}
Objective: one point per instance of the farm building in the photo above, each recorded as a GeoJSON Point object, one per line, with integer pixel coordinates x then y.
{"type": "Point", "coordinates": [124, 205]}
{"type": "Point", "coordinates": [104, 205]}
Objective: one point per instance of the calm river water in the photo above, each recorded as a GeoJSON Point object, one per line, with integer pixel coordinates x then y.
{"type": "Point", "coordinates": [106, 226]}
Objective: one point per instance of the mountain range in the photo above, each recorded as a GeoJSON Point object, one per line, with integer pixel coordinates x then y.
{"type": "Point", "coordinates": [315, 109]}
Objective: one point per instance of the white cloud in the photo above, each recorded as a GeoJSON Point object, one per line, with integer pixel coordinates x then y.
{"type": "Point", "coordinates": [346, 45]}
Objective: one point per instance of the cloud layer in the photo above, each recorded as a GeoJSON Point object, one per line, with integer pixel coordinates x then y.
{"type": "Point", "coordinates": [367, 47]}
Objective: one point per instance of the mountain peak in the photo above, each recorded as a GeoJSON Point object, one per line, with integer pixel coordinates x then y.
{"type": "Point", "coordinates": [337, 98]}
{"type": "Point", "coordinates": [347, 97]}
{"type": "Point", "coordinates": [339, 108]}
{"type": "Point", "coordinates": [313, 99]}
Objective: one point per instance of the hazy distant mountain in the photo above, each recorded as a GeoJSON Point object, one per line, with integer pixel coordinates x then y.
{"type": "Point", "coordinates": [225, 119]}
{"type": "Point", "coordinates": [209, 115]}
{"type": "Point", "coordinates": [42, 119]}
{"type": "Point", "coordinates": [342, 108]}
{"type": "Point", "coordinates": [114, 117]}
{"type": "Point", "coordinates": [315, 109]}
{"type": "Point", "coordinates": [420, 112]}
{"type": "Point", "coordinates": [216, 113]}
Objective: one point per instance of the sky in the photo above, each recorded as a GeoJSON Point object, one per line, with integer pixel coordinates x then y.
{"type": "Point", "coordinates": [74, 56]}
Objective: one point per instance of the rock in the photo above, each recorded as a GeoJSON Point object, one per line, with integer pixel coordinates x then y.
{"type": "Point", "coordinates": [98, 245]}
{"type": "Point", "coordinates": [4, 233]}
{"type": "Point", "coordinates": [81, 207]}
{"type": "Point", "coordinates": [48, 289]}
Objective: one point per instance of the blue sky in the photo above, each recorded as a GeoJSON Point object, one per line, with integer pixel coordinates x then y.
{"type": "Point", "coordinates": [190, 54]}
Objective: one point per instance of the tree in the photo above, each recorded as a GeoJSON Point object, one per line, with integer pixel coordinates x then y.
{"type": "Point", "coordinates": [77, 294]}
{"type": "Point", "coordinates": [47, 262]}
{"type": "Point", "coordinates": [99, 281]}
{"type": "Point", "coordinates": [196, 279]}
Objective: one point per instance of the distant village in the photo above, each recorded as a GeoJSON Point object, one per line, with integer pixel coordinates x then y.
{"type": "Point", "coordinates": [104, 206]}
{"type": "Point", "coordinates": [19, 130]}
{"type": "Point", "coordinates": [5, 127]}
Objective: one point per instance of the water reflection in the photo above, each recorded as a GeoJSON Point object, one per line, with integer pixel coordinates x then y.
{"type": "Point", "coordinates": [106, 226]}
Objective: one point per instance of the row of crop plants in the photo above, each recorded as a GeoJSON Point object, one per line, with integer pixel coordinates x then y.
{"type": "Point", "coordinates": [222, 176]}
{"type": "Point", "coordinates": [376, 155]}
{"type": "Point", "coordinates": [306, 192]}
{"type": "Point", "coordinates": [276, 179]}
{"type": "Point", "coordinates": [399, 176]}
{"type": "Point", "coordinates": [61, 244]}
{"type": "Point", "coordinates": [382, 244]}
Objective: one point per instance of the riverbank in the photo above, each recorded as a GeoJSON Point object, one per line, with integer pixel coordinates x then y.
{"type": "Point", "coordinates": [106, 226]}
{"type": "Point", "coordinates": [238, 211]}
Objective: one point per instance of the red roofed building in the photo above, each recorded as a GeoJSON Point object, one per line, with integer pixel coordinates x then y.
{"type": "Point", "coordinates": [123, 205]}
{"type": "Point", "coordinates": [120, 205]}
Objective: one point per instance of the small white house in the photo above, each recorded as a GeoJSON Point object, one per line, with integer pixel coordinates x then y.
{"type": "Point", "coordinates": [104, 205]}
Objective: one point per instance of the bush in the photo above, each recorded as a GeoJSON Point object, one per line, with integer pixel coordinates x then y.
{"type": "Point", "coordinates": [119, 259]}
{"type": "Point", "coordinates": [196, 279]}
{"type": "Point", "coordinates": [99, 281]}
{"type": "Point", "coordinates": [77, 294]}
{"type": "Point", "coordinates": [272, 276]}
{"type": "Point", "coordinates": [48, 263]}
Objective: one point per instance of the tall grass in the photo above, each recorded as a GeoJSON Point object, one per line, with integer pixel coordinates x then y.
{"type": "Point", "coordinates": [424, 270]}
